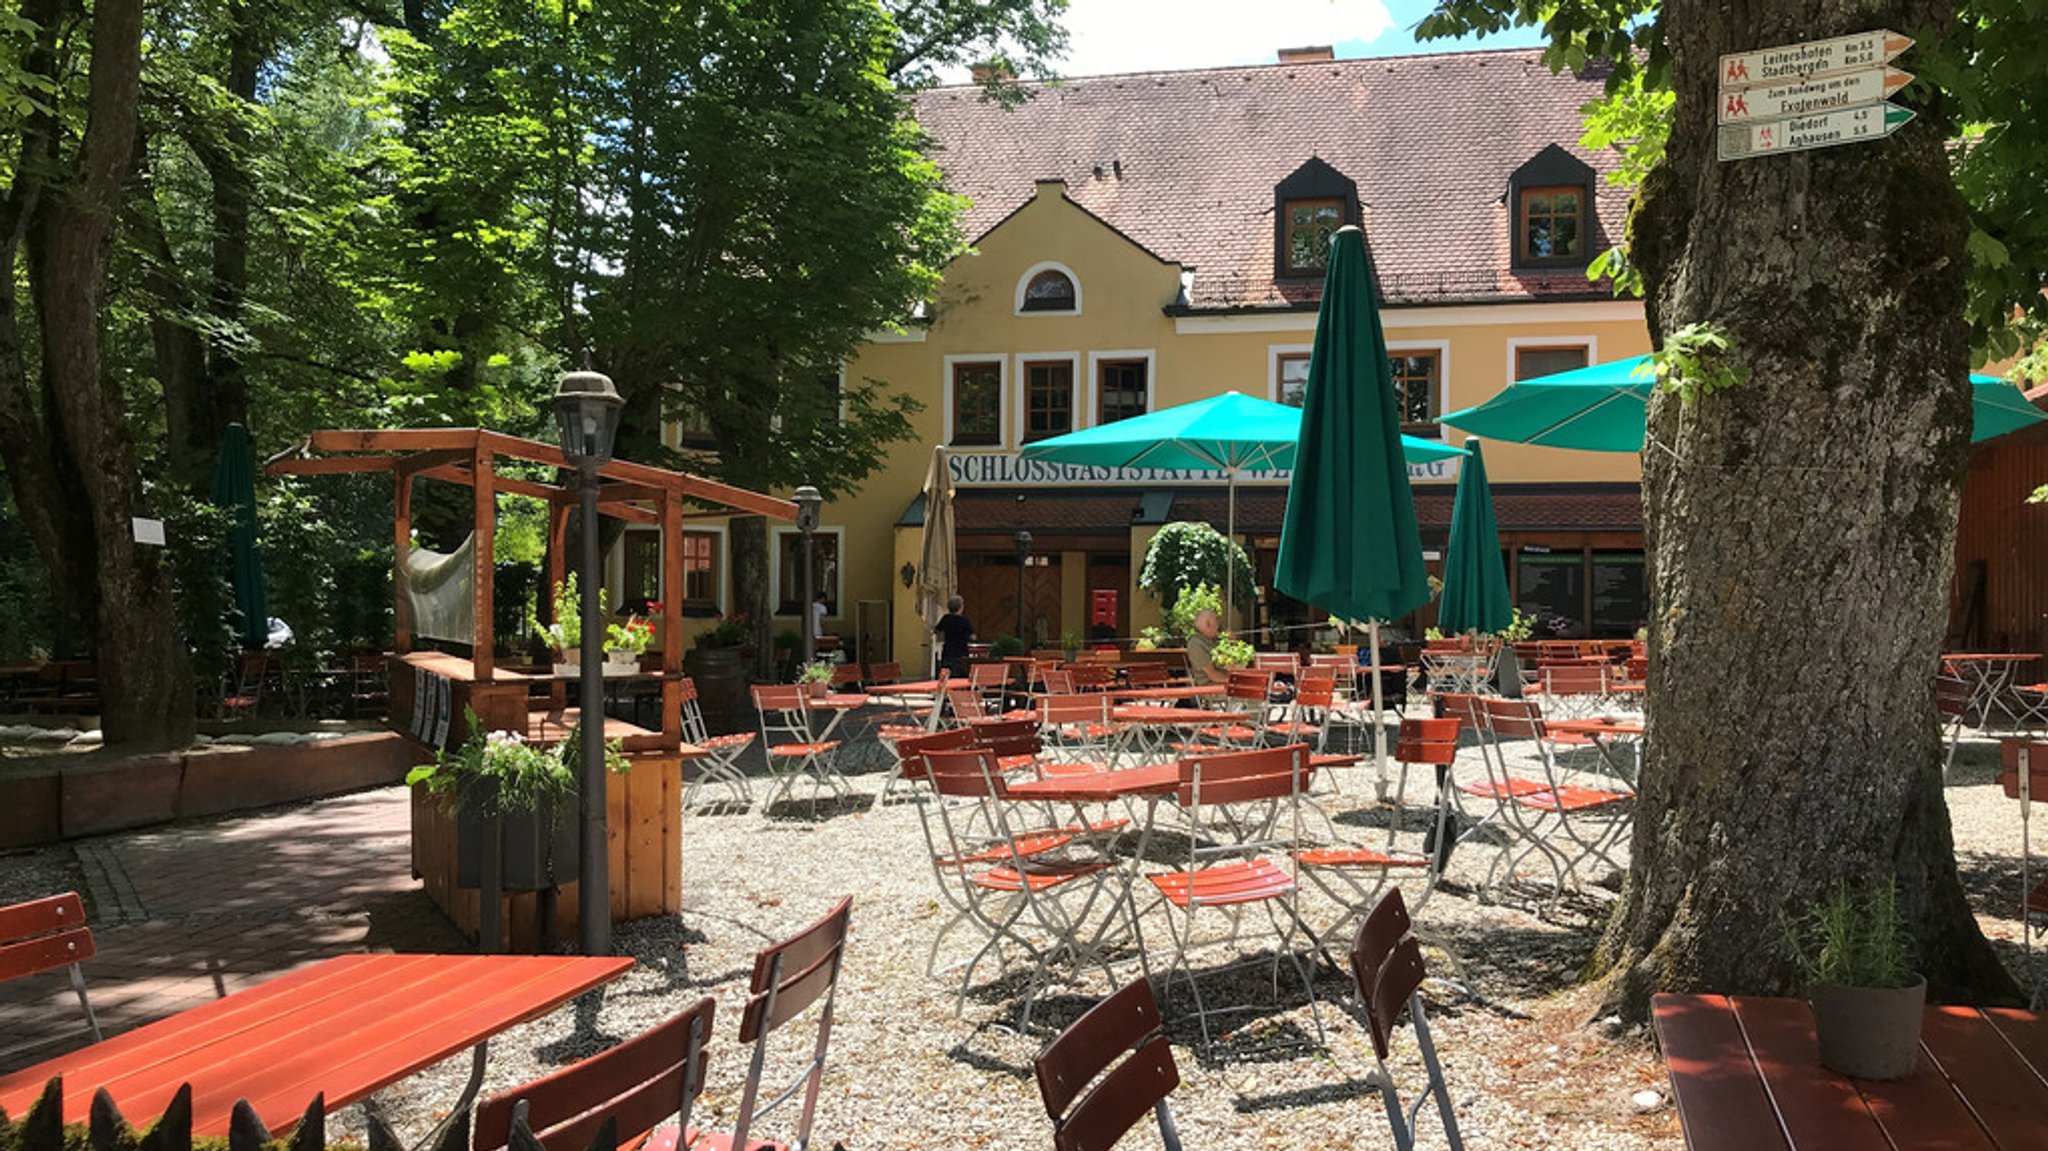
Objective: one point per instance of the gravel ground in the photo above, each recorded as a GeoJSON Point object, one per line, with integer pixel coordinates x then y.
{"type": "Point", "coordinates": [1527, 1065]}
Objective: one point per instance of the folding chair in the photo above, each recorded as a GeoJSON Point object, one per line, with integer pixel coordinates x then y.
{"type": "Point", "coordinates": [1498, 788]}
{"type": "Point", "coordinates": [1077, 724]}
{"type": "Point", "coordinates": [1560, 807]}
{"type": "Point", "coordinates": [610, 1099]}
{"type": "Point", "coordinates": [1386, 962]}
{"type": "Point", "coordinates": [43, 935]}
{"type": "Point", "coordinates": [1009, 875]}
{"type": "Point", "coordinates": [1142, 675]}
{"type": "Point", "coordinates": [1124, 1030]}
{"type": "Point", "coordinates": [1240, 805]}
{"type": "Point", "coordinates": [788, 977]}
{"type": "Point", "coordinates": [252, 669]}
{"type": "Point", "coordinates": [786, 711]}
{"type": "Point", "coordinates": [1247, 704]}
{"type": "Point", "coordinates": [989, 681]}
{"type": "Point", "coordinates": [1353, 876]}
{"type": "Point", "coordinates": [721, 763]}
{"type": "Point", "coordinates": [2023, 773]}
{"type": "Point", "coordinates": [1952, 697]}
{"type": "Point", "coordinates": [845, 675]}
{"type": "Point", "coordinates": [1574, 688]}
{"type": "Point", "coordinates": [883, 674]}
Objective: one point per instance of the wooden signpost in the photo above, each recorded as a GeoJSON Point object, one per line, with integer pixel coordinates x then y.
{"type": "Point", "coordinates": [1819, 94]}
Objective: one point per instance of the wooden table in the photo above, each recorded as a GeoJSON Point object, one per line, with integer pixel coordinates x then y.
{"type": "Point", "coordinates": [341, 1028]}
{"type": "Point", "coordinates": [1746, 1076]}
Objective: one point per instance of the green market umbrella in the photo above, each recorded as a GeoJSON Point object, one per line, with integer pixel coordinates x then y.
{"type": "Point", "coordinates": [234, 488]}
{"type": "Point", "coordinates": [1603, 408]}
{"type": "Point", "coordinates": [1475, 595]}
{"type": "Point", "coordinates": [1349, 542]}
{"type": "Point", "coordinates": [1229, 433]}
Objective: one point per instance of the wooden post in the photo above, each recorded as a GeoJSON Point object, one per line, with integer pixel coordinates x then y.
{"type": "Point", "coordinates": [401, 550]}
{"type": "Point", "coordinates": [670, 506]}
{"type": "Point", "coordinates": [483, 576]}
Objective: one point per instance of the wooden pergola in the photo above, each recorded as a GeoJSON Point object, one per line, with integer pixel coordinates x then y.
{"type": "Point", "coordinates": [636, 493]}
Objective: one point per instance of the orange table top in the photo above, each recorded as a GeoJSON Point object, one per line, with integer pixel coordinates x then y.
{"type": "Point", "coordinates": [342, 1028]}
{"type": "Point", "coordinates": [1595, 726]}
{"type": "Point", "coordinates": [1987, 656]}
{"type": "Point", "coordinates": [1101, 786]}
{"type": "Point", "coordinates": [1746, 1076]}
{"type": "Point", "coordinates": [1186, 691]}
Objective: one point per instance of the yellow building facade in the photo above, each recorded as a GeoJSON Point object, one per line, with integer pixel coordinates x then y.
{"type": "Point", "coordinates": [1140, 242]}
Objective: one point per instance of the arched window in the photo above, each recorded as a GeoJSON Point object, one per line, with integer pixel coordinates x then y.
{"type": "Point", "coordinates": [1051, 290]}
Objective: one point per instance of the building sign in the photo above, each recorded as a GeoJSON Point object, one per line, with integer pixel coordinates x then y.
{"type": "Point", "coordinates": [1005, 469]}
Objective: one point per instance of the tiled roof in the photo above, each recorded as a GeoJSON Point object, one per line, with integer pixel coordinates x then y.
{"type": "Point", "coordinates": [1517, 507]}
{"type": "Point", "coordinates": [1187, 163]}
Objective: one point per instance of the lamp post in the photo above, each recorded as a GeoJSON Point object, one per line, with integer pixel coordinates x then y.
{"type": "Point", "coordinates": [808, 501]}
{"type": "Point", "coordinates": [587, 411]}
{"type": "Point", "coordinates": [1023, 538]}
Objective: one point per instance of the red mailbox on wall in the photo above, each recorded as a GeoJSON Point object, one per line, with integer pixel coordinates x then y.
{"type": "Point", "coordinates": [1102, 608]}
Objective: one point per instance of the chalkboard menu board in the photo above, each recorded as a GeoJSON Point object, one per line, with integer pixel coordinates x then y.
{"type": "Point", "coordinates": [1621, 593]}
{"type": "Point", "coordinates": [1552, 586]}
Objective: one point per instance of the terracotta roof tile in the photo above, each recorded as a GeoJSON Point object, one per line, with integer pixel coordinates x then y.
{"type": "Point", "coordinates": [1429, 140]}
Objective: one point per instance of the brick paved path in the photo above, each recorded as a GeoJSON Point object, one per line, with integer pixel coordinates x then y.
{"type": "Point", "coordinates": [188, 913]}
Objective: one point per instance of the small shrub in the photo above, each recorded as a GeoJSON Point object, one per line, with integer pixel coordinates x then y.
{"type": "Point", "coordinates": [1854, 938]}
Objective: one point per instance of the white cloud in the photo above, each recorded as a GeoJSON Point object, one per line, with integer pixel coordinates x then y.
{"type": "Point", "coordinates": [1151, 35]}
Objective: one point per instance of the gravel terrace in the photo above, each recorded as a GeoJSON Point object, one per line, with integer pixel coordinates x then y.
{"type": "Point", "coordinates": [1527, 1065]}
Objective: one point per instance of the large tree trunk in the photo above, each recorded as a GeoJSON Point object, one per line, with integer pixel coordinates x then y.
{"type": "Point", "coordinates": [1801, 526]}
{"type": "Point", "coordinates": [747, 536]}
{"type": "Point", "coordinates": [145, 682]}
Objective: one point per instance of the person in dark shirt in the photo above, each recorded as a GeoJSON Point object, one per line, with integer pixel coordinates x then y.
{"type": "Point", "coordinates": [954, 631]}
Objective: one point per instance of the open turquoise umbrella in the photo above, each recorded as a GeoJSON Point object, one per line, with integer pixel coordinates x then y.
{"type": "Point", "coordinates": [1475, 595]}
{"type": "Point", "coordinates": [1229, 433]}
{"type": "Point", "coordinates": [1603, 408]}
{"type": "Point", "coordinates": [1349, 542]}
{"type": "Point", "coordinates": [234, 488]}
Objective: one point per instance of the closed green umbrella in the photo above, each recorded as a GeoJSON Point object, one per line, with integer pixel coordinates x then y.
{"type": "Point", "coordinates": [1475, 595]}
{"type": "Point", "coordinates": [1349, 542]}
{"type": "Point", "coordinates": [1229, 433]}
{"type": "Point", "coordinates": [1603, 408]}
{"type": "Point", "coordinates": [234, 488]}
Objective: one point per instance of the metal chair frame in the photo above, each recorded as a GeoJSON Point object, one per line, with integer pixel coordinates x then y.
{"type": "Point", "coordinates": [1386, 963]}
{"type": "Point", "coordinates": [720, 765]}
{"type": "Point", "coordinates": [785, 709]}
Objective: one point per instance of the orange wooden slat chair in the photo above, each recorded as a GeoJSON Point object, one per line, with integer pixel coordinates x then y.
{"type": "Point", "coordinates": [1353, 876]}
{"type": "Point", "coordinates": [785, 711]}
{"type": "Point", "coordinates": [789, 977]}
{"type": "Point", "coordinates": [1256, 794]}
{"type": "Point", "coordinates": [1386, 963]}
{"type": "Point", "coordinates": [43, 935]}
{"type": "Point", "coordinates": [1142, 675]}
{"type": "Point", "coordinates": [721, 762]}
{"type": "Point", "coordinates": [1124, 1030]}
{"type": "Point", "coordinates": [614, 1098]}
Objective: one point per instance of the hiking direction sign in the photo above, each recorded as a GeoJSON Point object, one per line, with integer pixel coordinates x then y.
{"type": "Point", "coordinates": [1819, 94]}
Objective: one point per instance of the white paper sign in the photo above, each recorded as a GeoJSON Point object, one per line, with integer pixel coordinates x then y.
{"type": "Point", "coordinates": [149, 532]}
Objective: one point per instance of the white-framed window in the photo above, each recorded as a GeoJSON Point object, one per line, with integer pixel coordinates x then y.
{"type": "Point", "coordinates": [1120, 385]}
{"type": "Point", "coordinates": [1048, 288]}
{"type": "Point", "coordinates": [977, 391]}
{"type": "Point", "coordinates": [1287, 372]}
{"type": "Point", "coordinates": [786, 583]}
{"type": "Point", "coordinates": [1533, 356]}
{"type": "Point", "coordinates": [1048, 394]}
{"type": "Point", "coordinates": [1421, 371]}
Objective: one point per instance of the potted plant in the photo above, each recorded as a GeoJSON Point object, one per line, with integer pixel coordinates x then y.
{"type": "Point", "coordinates": [565, 635]}
{"type": "Point", "coordinates": [1231, 653]}
{"type": "Point", "coordinates": [816, 675]}
{"type": "Point", "coordinates": [1070, 642]}
{"type": "Point", "coordinates": [529, 790]}
{"type": "Point", "coordinates": [625, 643]}
{"type": "Point", "coordinates": [1855, 955]}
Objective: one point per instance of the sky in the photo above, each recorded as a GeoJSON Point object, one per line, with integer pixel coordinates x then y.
{"type": "Point", "coordinates": [1147, 35]}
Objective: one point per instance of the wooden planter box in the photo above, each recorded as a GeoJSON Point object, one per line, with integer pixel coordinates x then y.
{"type": "Point", "coordinates": [643, 822]}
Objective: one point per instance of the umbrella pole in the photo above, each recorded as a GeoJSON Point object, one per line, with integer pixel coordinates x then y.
{"type": "Point", "coordinates": [1229, 553]}
{"type": "Point", "coordinates": [1379, 726]}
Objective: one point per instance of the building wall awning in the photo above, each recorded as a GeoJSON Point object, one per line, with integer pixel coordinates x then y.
{"type": "Point", "coordinates": [1589, 507]}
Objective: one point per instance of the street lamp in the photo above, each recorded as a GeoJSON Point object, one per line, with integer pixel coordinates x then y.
{"type": "Point", "coordinates": [1023, 538]}
{"type": "Point", "coordinates": [808, 501]}
{"type": "Point", "coordinates": [587, 410]}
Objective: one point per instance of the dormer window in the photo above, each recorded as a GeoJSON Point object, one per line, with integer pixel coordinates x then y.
{"type": "Point", "coordinates": [1308, 207]}
{"type": "Point", "coordinates": [1553, 226]}
{"type": "Point", "coordinates": [1310, 224]}
{"type": "Point", "coordinates": [1550, 202]}
{"type": "Point", "coordinates": [1048, 287]}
